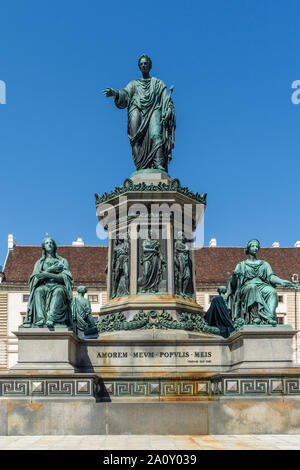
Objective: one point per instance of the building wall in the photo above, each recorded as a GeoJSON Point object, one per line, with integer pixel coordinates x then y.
{"type": "Point", "coordinates": [16, 312]}
{"type": "Point", "coordinates": [3, 330]}
{"type": "Point", "coordinates": [293, 318]}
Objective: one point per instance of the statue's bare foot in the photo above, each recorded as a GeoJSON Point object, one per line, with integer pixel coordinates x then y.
{"type": "Point", "coordinates": [40, 323]}
{"type": "Point", "coordinates": [26, 325]}
{"type": "Point", "coordinates": [50, 323]}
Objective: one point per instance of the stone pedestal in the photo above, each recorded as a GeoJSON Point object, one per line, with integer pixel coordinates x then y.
{"type": "Point", "coordinates": [256, 412]}
{"type": "Point", "coordinates": [152, 382]}
{"type": "Point", "coordinates": [181, 353]}
{"type": "Point", "coordinates": [263, 347]}
{"type": "Point", "coordinates": [147, 352]}
{"type": "Point", "coordinates": [41, 349]}
{"type": "Point", "coordinates": [149, 176]}
{"type": "Point", "coordinates": [150, 206]}
{"type": "Point", "coordinates": [156, 367]}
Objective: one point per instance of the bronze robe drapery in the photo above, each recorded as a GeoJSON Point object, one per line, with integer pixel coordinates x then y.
{"type": "Point", "coordinates": [148, 101]}
{"type": "Point", "coordinates": [250, 285]}
{"type": "Point", "coordinates": [82, 316]}
{"type": "Point", "coordinates": [183, 269]}
{"type": "Point", "coordinates": [49, 299]}
{"type": "Point", "coordinates": [153, 264]}
{"type": "Point", "coordinates": [120, 269]}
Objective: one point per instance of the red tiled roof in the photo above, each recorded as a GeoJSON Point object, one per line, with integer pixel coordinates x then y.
{"type": "Point", "coordinates": [87, 263]}
{"type": "Point", "coordinates": [213, 265]}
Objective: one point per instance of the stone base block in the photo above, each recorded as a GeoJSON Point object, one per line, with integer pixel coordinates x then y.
{"type": "Point", "coordinates": [149, 176]}
{"type": "Point", "coordinates": [262, 347]}
{"type": "Point", "coordinates": [87, 417]}
{"type": "Point", "coordinates": [155, 349]}
{"type": "Point", "coordinates": [42, 349]}
{"type": "Point", "coordinates": [86, 404]}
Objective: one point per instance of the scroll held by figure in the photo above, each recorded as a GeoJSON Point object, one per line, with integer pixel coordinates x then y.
{"type": "Point", "coordinates": [50, 287]}
{"type": "Point", "coordinates": [151, 118]}
{"type": "Point", "coordinates": [252, 297]}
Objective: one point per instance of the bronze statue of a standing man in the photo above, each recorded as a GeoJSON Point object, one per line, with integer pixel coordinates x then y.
{"type": "Point", "coordinates": [151, 118]}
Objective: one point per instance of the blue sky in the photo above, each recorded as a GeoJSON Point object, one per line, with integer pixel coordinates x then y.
{"type": "Point", "coordinates": [232, 64]}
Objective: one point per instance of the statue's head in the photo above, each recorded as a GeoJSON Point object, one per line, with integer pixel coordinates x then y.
{"type": "Point", "coordinates": [181, 236]}
{"type": "Point", "coordinates": [221, 290]}
{"type": "Point", "coordinates": [81, 290]}
{"type": "Point", "coordinates": [122, 237]}
{"type": "Point", "coordinates": [145, 63]}
{"type": "Point", "coordinates": [49, 246]}
{"type": "Point", "coordinates": [252, 247]}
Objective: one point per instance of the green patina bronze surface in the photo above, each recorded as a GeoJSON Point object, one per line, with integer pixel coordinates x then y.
{"type": "Point", "coordinates": [120, 268]}
{"type": "Point", "coordinates": [183, 267]}
{"type": "Point", "coordinates": [50, 287]}
{"type": "Point", "coordinates": [151, 118]}
{"type": "Point", "coordinates": [252, 297]}
{"type": "Point", "coordinates": [153, 320]}
{"type": "Point", "coordinates": [129, 186]}
{"type": "Point", "coordinates": [81, 312]}
{"type": "Point", "coordinates": [218, 314]}
{"type": "Point", "coordinates": [153, 264]}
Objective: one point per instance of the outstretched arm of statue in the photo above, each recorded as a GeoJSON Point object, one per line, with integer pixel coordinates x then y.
{"type": "Point", "coordinates": [121, 97]}
{"type": "Point", "coordinates": [110, 92]}
{"type": "Point", "coordinates": [283, 283]}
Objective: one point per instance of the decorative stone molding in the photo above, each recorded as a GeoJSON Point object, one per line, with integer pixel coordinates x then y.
{"type": "Point", "coordinates": [129, 186]}
{"type": "Point", "coordinates": [154, 320]}
{"type": "Point", "coordinates": [193, 388]}
{"type": "Point", "coordinates": [162, 388]}
{"type": "Point", "coordinates": [47, 387]}
{"type": "Point", "coordinates": [257, 386]}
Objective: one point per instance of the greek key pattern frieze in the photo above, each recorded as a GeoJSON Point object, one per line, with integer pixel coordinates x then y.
{"type": "Point", "coordinates": [254, 386]}
{"type": "Point", "coordinates": [248, 386]}
{"type": "Point", "coordinates": [46, 387]}
{"type": "Point", "coordinates": [193, 389]}
{"type": "Point", "coordinates": [132, 389]}
{"type": "Point", "coordinates": [258, 386]}
{"type": "Point", "coordinates": [292, 386]}
{"type": "Point", "coordinates": [14, 388]}
{"type": "Point", "coordinates": [60, 387]}
{"type": "Point", "coordinates": [152, 388]}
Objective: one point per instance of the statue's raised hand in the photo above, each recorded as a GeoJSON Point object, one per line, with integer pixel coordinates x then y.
{"type": "Point", "coordinates": [109, 92]}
